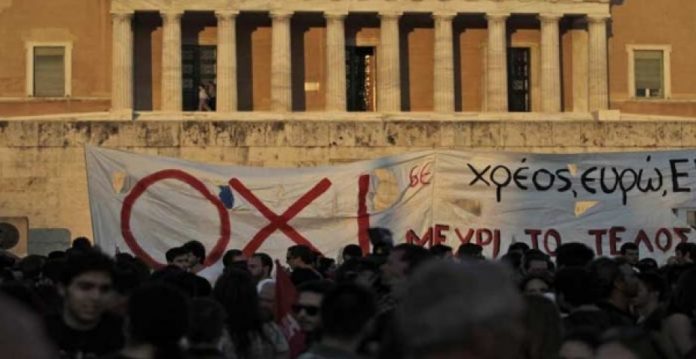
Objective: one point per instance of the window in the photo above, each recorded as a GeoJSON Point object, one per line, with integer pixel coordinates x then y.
{"type": "Point", "coordinates": [649, 74]}
{"type": "Point", "coordinates": [48, 69]}
{"type": "Point", "coordinates": [649, 71]}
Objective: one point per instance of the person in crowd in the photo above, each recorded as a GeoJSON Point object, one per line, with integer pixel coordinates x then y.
{"type": "Point", "coordinates": [178, 257]}
{"type": "Point", "coordinates": [628, 343]}
{"type": "Point", "coordinates": [363, 271]}
{"type": "Point", "coordinates": [21, 332]}
{"type": "Point", "coordinates": [651, 291]}
{"type": "Point", "coordinates": [306, 309]}
{"type": "Point", "coordinates": [682, 253]}
{"type": "Point", "coordinates": [351, 251]}
{"type": "Point", "coordinates": [519, 247]}
{"type": "Point", "coordinates": [579, 344]}
{"type": "Point", "coordinates": [471, 307]}
{"type": "Point", "coordinates": [206, 331]}
{"type": "Point", "coordinates": [618, 286]}
{"type": "Point", "coordinates": [249, 336]}
{"type": "Point", "coordinates": [234, 258]}
{"type": "Point", "coordinates": [382, 241]}
{"type": "Point", "coordinates": [267, 299]}
{"type": "Point", "coordinates": [300, 258]}
{"type": "Point", "coordinates": [577, 295]}
{"type": "Point", "coordinates": [470, 251]}
{"type": "Point", "coordinates": [346, 311]}
{"type": "Point", "coordinates": [629, 252]}
{"type": "Point", "coordinates": [542, 329]}
{"type": "Point", "coordinates": [84, 328]}
{"type": "Point", "coordinates": [677, 326]}
{"type": "Point", "coordinates": [647, 265]}
{"type": "Point", "coordinates": [129, 274]}
{"type": "Point", "coordinates": [536, 262]}
{"type": "Point", "coordinates": [401, 263]}
{"type": "Point", "coordinates": [442, 251]}
{"type": "Point", "coordinates": [536, 284]}
{"type": "Point", "coordinates": [30, 268]}
{"type": "Point", "coordinates": [260, 266]}
{"type": "Point", "coordinates": [158, 319]}
{"type": "Point", "coordinates": [573, 254]}
{"type": "Point", "coordinates": [196, 255]}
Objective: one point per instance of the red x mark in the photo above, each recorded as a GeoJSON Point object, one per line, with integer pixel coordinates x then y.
{"type": "Point", "coordinates": [279, 222]}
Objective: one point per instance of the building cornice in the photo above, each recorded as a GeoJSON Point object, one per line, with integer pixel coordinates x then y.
{"type": "Point", "coordinates": [566, 7]}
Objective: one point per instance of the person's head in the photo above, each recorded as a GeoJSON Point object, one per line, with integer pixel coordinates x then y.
{"type": "Point", "coordinates": [207, 322]}
{"type": "Point", "coordinates": [266, 289]}
{"type": "Point", "coordinates": [178, 256]}
{"type": "Point", "coordinates": [647, 265]}
{"type": "Point", "coordinates": [460, 310]}
{"type": "Point", "coordinates": [402, 261]}
{"type": "Point", "coordinates": [351, 251]}
{"type": "Point", "coordinates": [196, 252]}
{"type": "Point", "coordinates": [519, 247]}
{"type": "Point", "coordinates": [629, 251]}
{"type": "Point", "coordinates": [573, 254]}
{"type": "Point", "coordinates": [542, 328]}
{"type": "Point", "coordinates": [536, 284]}
{"type": "Point", "coordinates": [513, 259]}
{"type": "Point", "coordinates": [575, 286]}
{"type": "Point", "coordinates": [381, 239]}
{"type": "Point", "coordinates": [616, 278]}
{"type": "Point", "coordinates": [470, 251]}
{"type": "Point", "coordinates": [536, 262]}
{"type": "Point", "coordinates": [309, 299]}
{"type": "Point", "coordinates": [260, 266]}
{"type": "Point", "coordinates": [627, 343]}
{"type": "Point", "coordinates": [441, 251]}
{"type": "Point", "coordinates": [31, 266]}
{"type": "Point", "coordinates": [81, 243]}
{"type": "Point", "coordinates": [363, 271]}
{"type": "Point", "coordinates": [86, 284]}
{"type": "Point", "coordinates": [157, 315]}
{"type": "Point", "coordinates": [579, 344]}
{"type": "Point", "coordinates": [299, 256]}
{"type": "Point", "coordinates": [683, 253]}
{"type": "Point", "coordinates": [684, 296]}
{"type": "Point", "coordinates": [346, 311]}
{"type": "Point", "coordinates": [651, 289]}
{"type": "Point", "coordinates": [234, 258]}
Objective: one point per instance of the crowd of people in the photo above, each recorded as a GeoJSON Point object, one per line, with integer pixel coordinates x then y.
{"type": "Point", "coordinates": [398, 301]}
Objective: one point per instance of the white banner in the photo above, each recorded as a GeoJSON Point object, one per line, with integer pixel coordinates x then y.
{"type": "Point", "coordinates": [147, 204]}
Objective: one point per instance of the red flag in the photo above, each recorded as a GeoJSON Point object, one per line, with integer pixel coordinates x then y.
{"type": "Point", "coordinates": [286, 295]}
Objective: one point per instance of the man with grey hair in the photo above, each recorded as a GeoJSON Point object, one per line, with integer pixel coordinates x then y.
{"type": "Point", "coordinates": [460, 310]}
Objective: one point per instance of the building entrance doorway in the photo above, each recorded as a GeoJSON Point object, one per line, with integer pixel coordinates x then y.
{"type": "Point", "coordinates": [198, 67]}
{"type": "Point", "coordinates": [360, 78]}
{"type": "Point", "coordinates": [518, 79]}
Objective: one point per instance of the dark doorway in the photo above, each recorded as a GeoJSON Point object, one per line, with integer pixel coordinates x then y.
{"type": "Point", "coordinates": [519, 63]}
{"type": "Point", "coordinates": [360, 78]}
{"type": "Point", "coordinates": [198, 68]}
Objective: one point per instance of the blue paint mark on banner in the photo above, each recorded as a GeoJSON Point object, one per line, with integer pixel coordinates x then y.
{"type": "Point", "coordinates": [226, 196]}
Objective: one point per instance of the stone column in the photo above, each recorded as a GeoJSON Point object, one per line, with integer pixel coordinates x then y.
{"type": "Point", "coordinates": [496, 83]}
{"type": "Point", "coordinates": [122, 62]}
{"type": "Point", "coordinates": [388, 74]}
{"type": "Point", "coordinates": [335, 62]}
{"type": "Point", "coordinates": [443, 87]}
{"type": "Point", "coordinates": [598, 72]}
{"type": "Point", "coordinates": [226, 96]}
{"type": "Point", "coordinates": [171, 62]}
{"type": "Point", "coordinates": [281, 86]}
{"type": "Point", "coordinates": [550, 63]}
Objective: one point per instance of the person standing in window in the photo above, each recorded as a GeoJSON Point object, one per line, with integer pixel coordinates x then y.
{"type": "Point", "coordinates": [203, 99]}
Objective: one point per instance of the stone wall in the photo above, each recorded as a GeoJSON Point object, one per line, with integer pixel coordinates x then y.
{"type": "Point", "coordinates": [42, 170]}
